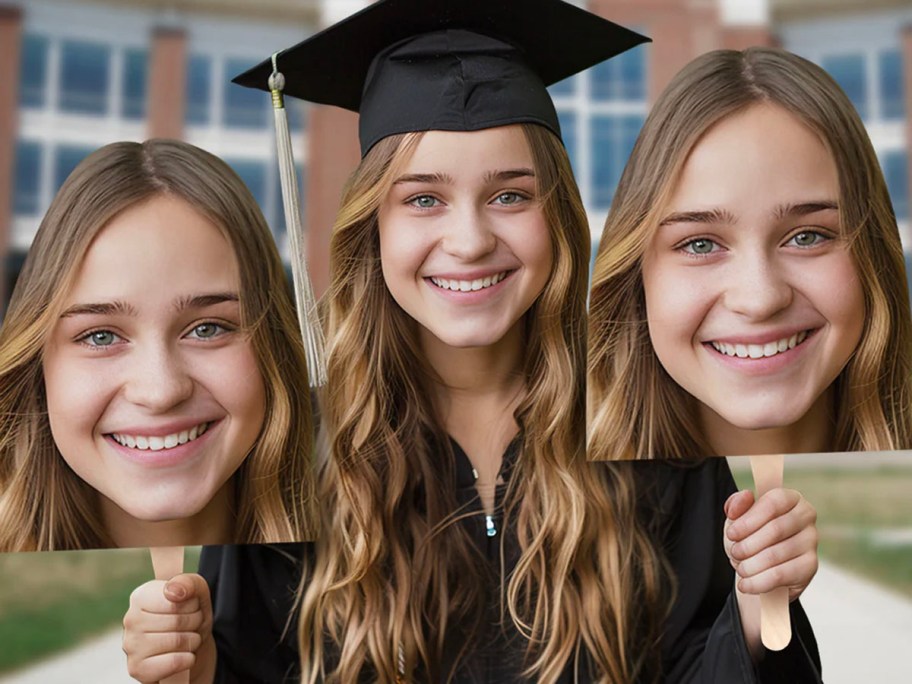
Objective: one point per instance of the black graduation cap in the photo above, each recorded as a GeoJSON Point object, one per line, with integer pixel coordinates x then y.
{"type": "Point", "coordinates": [454, 65]}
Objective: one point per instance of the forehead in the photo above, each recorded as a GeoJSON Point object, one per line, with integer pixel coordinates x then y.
{"type": "Point", "coordinates": [455, 151]}
{"type": "Point", "coordinates": [159, 248]}
{"type": "Point", "coordinates": [757, 157]}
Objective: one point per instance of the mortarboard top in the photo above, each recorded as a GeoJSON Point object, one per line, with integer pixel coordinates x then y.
{"type": "Point", "coordinates": [455, 65]}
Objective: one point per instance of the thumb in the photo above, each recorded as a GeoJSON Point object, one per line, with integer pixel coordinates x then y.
{"type": "Point", "coordinates": [738, 504]}
{"type": "Point", "coordinates": [185, 587]}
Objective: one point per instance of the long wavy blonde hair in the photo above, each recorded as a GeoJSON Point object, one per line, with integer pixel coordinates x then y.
{"type": "Point", "coordinates": [635, 410]}
{"type": "Point", "coordinates": [43, 504]}
{"type": "Point", "coordinates": [394, 576]}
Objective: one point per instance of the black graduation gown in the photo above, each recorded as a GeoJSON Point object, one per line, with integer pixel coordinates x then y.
{"type": "Point", "coordinates": [253, 594]}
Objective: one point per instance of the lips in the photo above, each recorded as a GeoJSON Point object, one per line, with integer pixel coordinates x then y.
{"type": "Point", "coordinates": [160, 442]}
{"type": "Point", "coordinates": [760, 351]}
{"type": "Point", "coordinates": [473, 285]}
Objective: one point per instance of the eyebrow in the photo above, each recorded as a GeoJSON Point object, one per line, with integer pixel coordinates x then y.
{"type": "Point", "coordinates": [118, 307]}
{"type": "Point", "coordinates": [508, 174]}
{"type": "Point", "coordinates": [204, 300]}
{"type": "Point", "coordinates": [100, 309]}
{"type": "Point", "coordinates": [709, 216]}
{"type": "Point", "coordinates": [438, 178]}
{"type": "Point", "coordinates": [804, 208]}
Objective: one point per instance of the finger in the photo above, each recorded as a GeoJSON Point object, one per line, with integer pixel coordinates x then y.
{"type": "Point", "coordinates": [150, 598]}
{"type": "Point", "coordinates": [738, 504]}
{"type": "Point", "coordinates": [771, 505]}
{"type": "Point", "coordinates": [145, 623]}
{"type": "Point", "coordinates": [801, 517]}
{"type": "Point", "coordinates": [804, 541]}
{"type": "Point", "coordinates": [159, 667]}
{"type": "Point", "coordinates": [795, 574]}
{"type": "Point", "coordinates": [141, 646]}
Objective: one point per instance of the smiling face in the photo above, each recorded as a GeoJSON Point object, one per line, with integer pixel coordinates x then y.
{"type": "Point", "coordinates": [753, 300]}
{"type": "Point", "coordinates": [153, 391]}
{"type": "Point", "coordinates": [464, 244]}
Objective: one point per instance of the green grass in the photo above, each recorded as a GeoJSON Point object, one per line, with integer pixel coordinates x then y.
{"type": "Point", "coordinates": [52, 601]}
{"type": "Point", "coordinates": [850, 506]}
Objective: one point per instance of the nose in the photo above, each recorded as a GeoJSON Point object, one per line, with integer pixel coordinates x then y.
{"type": "Point", "coordinates": [757, 287]}
{"type": "Point", "coordinates": [158, 379]}
{"type": "Point", "coordinates": [469, 236]}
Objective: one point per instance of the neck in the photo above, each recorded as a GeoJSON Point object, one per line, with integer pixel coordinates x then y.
{"type": "Point", "coordinates": [475, 394]}
{"type": "Point", "coordinates": [811, 433]}
{"type": "Point", "coordinates": [214, 524]}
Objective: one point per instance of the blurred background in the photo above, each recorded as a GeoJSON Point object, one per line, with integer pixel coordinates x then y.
{"type": "Point", "coordinates": [77, 74]}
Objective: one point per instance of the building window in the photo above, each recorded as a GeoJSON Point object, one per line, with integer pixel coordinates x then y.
{"type": "Point", "coordinates": [135, 75]}
{"type": "Point", "coordinates": [33, 70]}
{"type": "Point", "coordinates": [84, 77]}
{"type": "Point", "coordinates": [613, 138]}
{"type": "Point", "coordinates": [244, 107]}
{"type": "Point", "coordinates": [66, 159]}
{"type": "Point", "coordinates": [849, 73]}
{"type": "Point", "coordinates": [254, 176]}
{"type": "Point", "coordinates": [199, 89]}
{"type": "Point", "coordinates": [621, 78]}
{"type": "Point", "coordinates": [601, 112]}
{"type": "Point", "coordinates": [896, 172]}
{"type": "Point", "coordinates": [27, 183]}
{"type": "Point", "coordinates": [890, 71]}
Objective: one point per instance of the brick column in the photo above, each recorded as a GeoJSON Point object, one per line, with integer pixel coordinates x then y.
{"type": "Point", "coordinates": [10, 47]}
{"type": "Point", "coordinates": [743, 37]}
{"type": "Point", "coordinates": [167, 83]}
{"type": "Point", "coordinates": [333, 154]}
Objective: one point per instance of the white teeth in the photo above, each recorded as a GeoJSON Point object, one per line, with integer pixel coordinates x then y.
{"type": "Point", "coordinates": [759, 351]}
{"type": "Point", "coordinates": [469, 285]}
{"type": "Point", "coordinates": [154, 443]}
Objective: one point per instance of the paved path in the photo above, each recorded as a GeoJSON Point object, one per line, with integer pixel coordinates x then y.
{"type": "Point", "coordinates": [864, 632]}
{"type": "Point", "coordinates": [100, 661]}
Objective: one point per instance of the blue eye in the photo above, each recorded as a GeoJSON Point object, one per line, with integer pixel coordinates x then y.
{"type": "Point", "coordinates": [424, 202]}
{"type": "Point", "coordinates": [509, 199]}
{"type": "Point", "coordinates": [206, 331]}
{"type": "Point", "coordinates": [808, 238]}
{"type": "Point", "coordinates": [700, 246]}
{"type": "Point", "coordinates": [99, 338]}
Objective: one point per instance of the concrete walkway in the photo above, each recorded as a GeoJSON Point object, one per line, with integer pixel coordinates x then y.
{"type": "Point", "coordinates": [864, 633]}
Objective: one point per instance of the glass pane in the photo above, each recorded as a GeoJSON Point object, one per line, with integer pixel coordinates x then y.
{"type": "Point", "coordinates": [896, 172]}
{"type": "Point", "coordinates": [33, 71]}
{"type": "Point", "coordinates": [621, 78]}
{"type": "Point", "coordinates": [244, 107]}
{"type": "Point", "coordinates": [27, 182]}
{"type": "Point", "coordinates": [199, 93]}
{"type": "Point", "coordinates": [565, 88]}
{"type": "Point", "coordinates": [254, 176]}
{"type": "Point", "coordinates": [849, 72]}
{"type": "Point", "coordinates": [892, 104]}
{"type": "Point", "coordinates": [84, 77]}
{"type": "Point", "coordinates": [613, 138]}
{"type": "Point", "coordinates": [134, 84]}
{"type": "Point", "coordinates": [67, 159]}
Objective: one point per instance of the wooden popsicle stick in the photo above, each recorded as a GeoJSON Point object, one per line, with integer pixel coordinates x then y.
{"type": "Point", "coordinates": [167, 562]}
{"type": "Point", "coordinates": [775, 626]}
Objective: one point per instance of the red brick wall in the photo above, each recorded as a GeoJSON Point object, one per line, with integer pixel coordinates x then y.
{"type": "Point", "coordinates": [10, 48]}
{"type": "Point", "coordinates": [167, 82]}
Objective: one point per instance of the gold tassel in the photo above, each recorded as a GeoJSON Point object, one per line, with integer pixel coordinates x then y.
{"type": "Point", "coordinates": [308, 315]}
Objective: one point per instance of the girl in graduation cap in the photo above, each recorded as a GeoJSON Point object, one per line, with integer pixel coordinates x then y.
{"type": "Point", "coordinates": [466, 538]}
